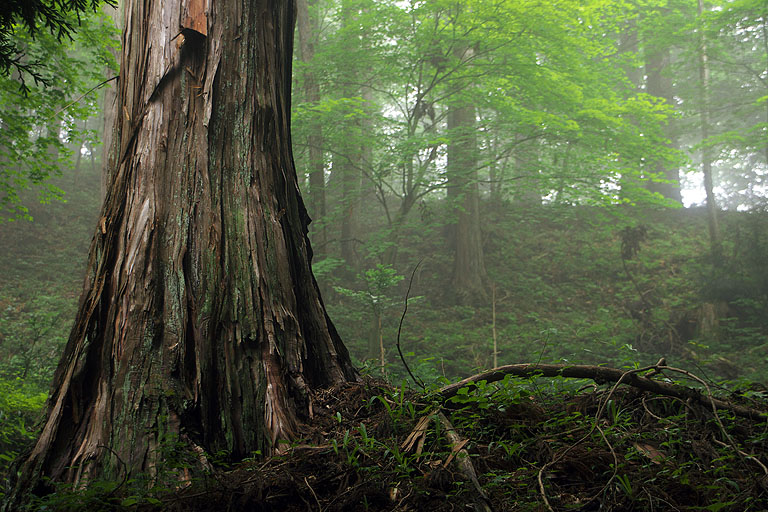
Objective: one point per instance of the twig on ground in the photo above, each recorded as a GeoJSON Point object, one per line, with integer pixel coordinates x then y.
{"type": "Point", "coordinates": [630, 377]}
{"type": "Point", "coordinates": [595, 426]}
{"type": "Point", "coordinates": [654, 416]}
{"type": "Point", "coordinates": [745, 454]}
{"type": "Point", "coordinates": [319, 506]}
{"type": "Point", "coordinates": [712, 403]}
{"type": "Point", "coordinates": [417, 435]}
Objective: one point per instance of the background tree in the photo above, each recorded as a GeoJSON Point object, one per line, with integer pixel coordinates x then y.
{"type": "Point", "coordinates": [706, 155]}
{"type": "Point", "coordinates": [307, 32]}
{"type": "Point", "coordinates": [659, 35]}
{"type": "Point", "coordinates": [737, 36]}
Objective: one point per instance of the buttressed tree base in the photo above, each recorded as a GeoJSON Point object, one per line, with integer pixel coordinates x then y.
{"type": "Point", "coordinates": [200, 318]}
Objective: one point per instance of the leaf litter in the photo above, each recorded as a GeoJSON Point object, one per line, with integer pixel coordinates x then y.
{"type": "Point", "coordinates": [374, 447]}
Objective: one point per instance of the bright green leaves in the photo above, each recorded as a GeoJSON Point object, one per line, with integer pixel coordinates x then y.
{"type": "Point", "coordinates": [537, 74]}
{"type": "Point", "coordinates": [45, 126]}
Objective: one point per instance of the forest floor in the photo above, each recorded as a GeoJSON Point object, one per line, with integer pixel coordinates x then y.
{"type": "Point", "coordinates": [564, 294]}
{"type": "Point", "coordinates": [534, 445]}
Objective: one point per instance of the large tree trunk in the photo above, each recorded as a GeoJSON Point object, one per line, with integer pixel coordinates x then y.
{"type": "Point", "coordinates": [659, 84]}
{"type": "Point", "coordinates": [200, 317]}
{"type": "Point", "coordinates": [463, 194]}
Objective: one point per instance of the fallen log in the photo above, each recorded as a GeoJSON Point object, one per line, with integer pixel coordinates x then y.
{"type": "Point", "coordinates": [602, 374]}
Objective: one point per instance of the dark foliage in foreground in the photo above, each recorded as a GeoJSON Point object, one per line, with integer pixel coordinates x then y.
{"type": "Point", "coordinates": [534, 443]}
{"type": "Point", "coordinates": [60, 17]}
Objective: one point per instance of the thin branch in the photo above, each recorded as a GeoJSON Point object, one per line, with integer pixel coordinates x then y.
{"type": "Point", "coordinates": [400, 328]}
{"type": "Point", "coordinates": [744, 454]}
{"type": "Point", "coordinates": [319, 506]}
{"type": "Point", "coordinates": [122, 463]}
{"type": "Point", "coordinates": [86, 93]}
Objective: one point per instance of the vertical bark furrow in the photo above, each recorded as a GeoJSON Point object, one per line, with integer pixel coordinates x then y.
{"type": "Point", "coordinates": [200, 316]}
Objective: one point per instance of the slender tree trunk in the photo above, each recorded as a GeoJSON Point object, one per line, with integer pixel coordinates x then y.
{"type": "Point", "coordinates": [527, 189]}
{"type": "Point", "coordinates": [200, 319]}
{"type": "Point", "coordinates": [367, 193]}
{"type": "Point", "coordinates": [53, 133]}
{"type": "Point", "coordinates": [375, 348]}
{"type": "Point", "coordinates": [78, 150]}
{"type": "Point", "coordinates": [307, 28]}
{"type": "Point", "coordinates": [765, 48]}
{"type": "Point", "coordinates": [628, 43]}
{"type": "Point", "coordinates": [493, 327]}
{"type": "Point", "coordinates": [349, 150]}
{"type": "Point", "coordinates": [350, 190]}
{"type": "Point", "coordinates": [706, 158]}
{"type": "Point", "coordinates": [495, 174]}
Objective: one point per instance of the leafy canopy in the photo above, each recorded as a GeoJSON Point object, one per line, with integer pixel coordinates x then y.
{"type": "Point", "coordinates": [59, 17]}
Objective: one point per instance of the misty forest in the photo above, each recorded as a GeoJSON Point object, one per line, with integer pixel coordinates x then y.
{"type": "Point", "coordinates": [401, 255]}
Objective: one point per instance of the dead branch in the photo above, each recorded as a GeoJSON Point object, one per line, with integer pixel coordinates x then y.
{"type": "Point", "coordinates": [482, 502]}
{"type": "Point", "coordinates": [745, 454]}
{"type": "Point", "coordinates": [602, 374]}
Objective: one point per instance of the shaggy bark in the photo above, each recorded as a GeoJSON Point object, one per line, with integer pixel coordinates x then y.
{"type": "Point", "coordinates": [200, 317]}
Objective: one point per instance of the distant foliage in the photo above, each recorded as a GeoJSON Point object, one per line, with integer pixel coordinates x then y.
{"type": "Point", "coordinates": [32, 335]}
{"type": "Point", "coordinates": [43, 125]}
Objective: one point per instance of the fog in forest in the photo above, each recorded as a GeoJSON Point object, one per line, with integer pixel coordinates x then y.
{"type": "Point", "coordinates": [583, 184]}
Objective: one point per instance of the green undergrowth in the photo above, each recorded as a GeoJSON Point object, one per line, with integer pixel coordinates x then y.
{"type": "Point", "coordinates": [563, 292]}
{"type": "Point", "coordinates": [571, 444]}
{"type": "Point", "coordinates": [20, 407]}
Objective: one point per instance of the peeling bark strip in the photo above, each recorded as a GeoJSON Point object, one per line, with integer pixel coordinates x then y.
{"type": "Point", "coordinates": [200, 314]}
{"type": "Point", "coordinates": [195, 16]}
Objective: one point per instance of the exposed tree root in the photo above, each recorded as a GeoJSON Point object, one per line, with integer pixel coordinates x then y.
{"type": "Point", "coordinates": [601, 374]}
